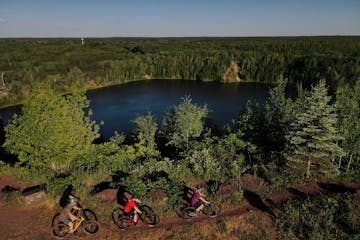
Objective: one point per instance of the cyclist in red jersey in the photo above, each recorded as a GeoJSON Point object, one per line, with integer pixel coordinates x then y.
{"type": "Point", "coordinates": [131, 209]}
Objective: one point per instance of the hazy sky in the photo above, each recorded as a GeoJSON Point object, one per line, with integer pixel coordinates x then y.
{"type": "Point", "coordinates": [160, 18]}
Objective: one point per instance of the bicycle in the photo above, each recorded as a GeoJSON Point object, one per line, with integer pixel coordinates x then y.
{"type": "Point", "coordinates": [210, 210]}
{"type": "Point", "coordinates": [86, 219]}
{"type": "Point", "coordinates": [88, 214]}
{"type": "Point", "coordinates": [124, 222]}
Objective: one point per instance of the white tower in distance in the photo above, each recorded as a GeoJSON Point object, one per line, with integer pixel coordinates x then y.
{"type": "Point", "coordinates": [82, 41]}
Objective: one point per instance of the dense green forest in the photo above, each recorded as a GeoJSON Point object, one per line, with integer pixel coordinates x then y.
{"type": "Point", "coordinates": [315, 135]}
{"type": "Point", "coordinates": [63, 63]}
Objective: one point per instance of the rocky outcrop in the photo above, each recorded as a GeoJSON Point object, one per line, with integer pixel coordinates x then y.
{"type": "Point", "coordinates": [232, 74]}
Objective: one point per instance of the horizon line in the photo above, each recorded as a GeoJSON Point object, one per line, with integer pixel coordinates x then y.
{"type": "Point", "coordinates": [250, 36]}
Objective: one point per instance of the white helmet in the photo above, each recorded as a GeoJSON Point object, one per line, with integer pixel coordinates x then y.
{"type": "Point", "coordinates": [73, 199]}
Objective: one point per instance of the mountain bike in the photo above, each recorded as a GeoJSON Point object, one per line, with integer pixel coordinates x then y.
{"type": "Point", "coordinates": [210, 210]}
{"type": "Point", "coordinates": [87, 213]}
{"type": "Point", "coordinates": [124, 222]}
{"type": "Point", "coordinates": [86, 219]}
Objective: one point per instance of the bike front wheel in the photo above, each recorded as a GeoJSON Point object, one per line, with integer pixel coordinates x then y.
{"type": "Point", "coordinates": [91, 226]}
{"type": "Point", "coordinates": [211, 210]}
{"type": "Point", "coordinates": [89, 215]}
{"type": "Point", "coordinates": [60, 230]}
{"type": "Point", "coordinates": [116, 215]}
{"type": "Point", "coordinates": [151, 219]}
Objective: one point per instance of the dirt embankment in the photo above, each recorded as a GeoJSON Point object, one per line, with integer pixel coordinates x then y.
{"type": "Point", "coordinates": [232, 74]}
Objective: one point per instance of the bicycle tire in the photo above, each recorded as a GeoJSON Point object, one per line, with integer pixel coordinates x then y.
{"type": "Point", "coordinates": [211, 211]}
{"type": "Point", "coordinates": [125, 223]}
{"type": "Point", "coordinates": [151, 219]}
{"type": "Point", "coordinates": [116, 215]}
{"type": "Point", "coordinates": [60, 230]}
{"type": "Point", "coordinates": [89, 215]}
{"type": "Point", "coordinates": [55, 219]}
{"type": "Point", "coordinates": [186, 211]}
{"type": "Point", "coordinates": [146, 208]}
{"type": "Point", "coordinates": [90, 226]}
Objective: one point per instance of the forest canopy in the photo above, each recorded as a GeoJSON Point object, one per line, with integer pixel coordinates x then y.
{"type": "Point", "coordinates": [64, 63]}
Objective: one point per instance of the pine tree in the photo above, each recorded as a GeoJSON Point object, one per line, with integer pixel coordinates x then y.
{"type": "Point", "coordinates": [348, 106]}
{"type": "Point", "coordinates": [313, 135]}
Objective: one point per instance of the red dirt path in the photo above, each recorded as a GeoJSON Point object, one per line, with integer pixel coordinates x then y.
{"type": "Point", "coordinates": [18, 222]}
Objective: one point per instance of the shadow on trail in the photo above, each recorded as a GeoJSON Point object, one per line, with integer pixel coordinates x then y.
{"type": "Point", "coordinates": [297, 193]}
{"type": "Point", "coordinates": [255, 201]}
{"type": "Point", "coordinates": [335, 188]}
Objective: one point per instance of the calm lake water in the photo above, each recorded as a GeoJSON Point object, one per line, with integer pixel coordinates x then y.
{"type": "Point", "coordinates": [119, 105]}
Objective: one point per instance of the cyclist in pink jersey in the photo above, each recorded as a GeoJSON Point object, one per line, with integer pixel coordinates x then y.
{"type": "Point", "coordinates": [198, 200]}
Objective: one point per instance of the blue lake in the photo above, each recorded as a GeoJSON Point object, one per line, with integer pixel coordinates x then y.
{"type": "Point", "coordinates": [119, 105]}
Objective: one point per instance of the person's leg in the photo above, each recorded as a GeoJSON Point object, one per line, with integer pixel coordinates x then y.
{"type": "Point", "coordinates": [136, 218]}
{"type": "Point", "coordinates": [198, 209]}
{"type": "Point", "coordinates": [134, 215]}
{"type": "Point", "coordinates": [71, 226]}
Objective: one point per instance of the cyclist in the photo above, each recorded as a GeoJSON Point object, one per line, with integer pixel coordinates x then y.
{"type": "Point", "coordinates": [131, 209]}
{"type": "Point", "coordinates": [198, 200]}
{"type": "Point", "coordinates": [66, 215]}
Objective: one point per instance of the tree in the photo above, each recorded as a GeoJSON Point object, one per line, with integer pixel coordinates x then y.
{"type": "Point", "coordinates": [184, 123]}
{"type": "Point", "coordinates": [313, 135]}
{"type": "Point", "coordinates": [52, 131]}
{"type": "Point", "coordinates": [145, 131]}
{"type": "Point", "coordinates": [348, 106]}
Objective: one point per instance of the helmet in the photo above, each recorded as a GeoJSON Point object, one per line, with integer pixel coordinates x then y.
{"type": "Point", "coordinates": [199, 186]}
{"type": "Point", "coordinates": [73, 199]}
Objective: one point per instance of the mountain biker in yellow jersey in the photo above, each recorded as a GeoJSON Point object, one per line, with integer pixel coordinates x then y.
{"type": "Point", "coordinates": [66, 215]}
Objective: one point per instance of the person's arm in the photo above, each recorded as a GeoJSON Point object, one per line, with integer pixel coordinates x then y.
{"type": "Point", "coordinates": [204, 200]}
{"type": "Point", "coordinates": [137, 210]}
{"type": "Point", "coordinates": [70, 215]}
{"type": "Point", "coordinates": [77, 207]}
{"type": "Point", "coordinates": [137, 200]}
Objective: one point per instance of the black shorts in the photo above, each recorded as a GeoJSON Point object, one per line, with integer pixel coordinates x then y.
{"type": "Point", "coordinates": [197, 204]}
{"type": "Point", "coordinates": [131, 213]}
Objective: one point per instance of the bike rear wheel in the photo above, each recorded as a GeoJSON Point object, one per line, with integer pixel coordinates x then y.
{"type": "Point", "coordinates": [90, 226]}
{"type": "Point", "coordinates": [186, 212]}
{"type": "Point", "coordinates": [125, 223]}
{"type": "Point", "coordinates": [56, 219]}
{"type": "Point", "coordinates": [60, 230]}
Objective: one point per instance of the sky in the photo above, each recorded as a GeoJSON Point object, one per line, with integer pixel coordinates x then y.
{"type": "Point", "coordinates": [178, 18]}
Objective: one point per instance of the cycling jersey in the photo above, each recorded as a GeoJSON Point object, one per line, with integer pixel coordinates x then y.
{"type": "Point", "coordinates": [129, 205]}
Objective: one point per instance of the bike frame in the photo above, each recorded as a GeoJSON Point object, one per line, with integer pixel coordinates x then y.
{"type": "Point", "coordinates": [77, 225]}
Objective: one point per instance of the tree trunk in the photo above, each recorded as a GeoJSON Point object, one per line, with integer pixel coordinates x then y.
{"type": "Point", "coordinates": [308, 168]}
{"type": "Point", "coordinates": [340, 162]}
{"type": "Point", "coordinates": [349, 164]}
{"type": "Point", "coordinates": [2, 78]}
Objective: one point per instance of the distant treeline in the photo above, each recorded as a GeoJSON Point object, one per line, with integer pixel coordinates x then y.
{"type": "Point", "coordinates": [65, 63]}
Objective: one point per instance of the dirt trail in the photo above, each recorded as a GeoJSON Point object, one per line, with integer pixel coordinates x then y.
{"type": "Point", "coordinates": [31, 222]}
